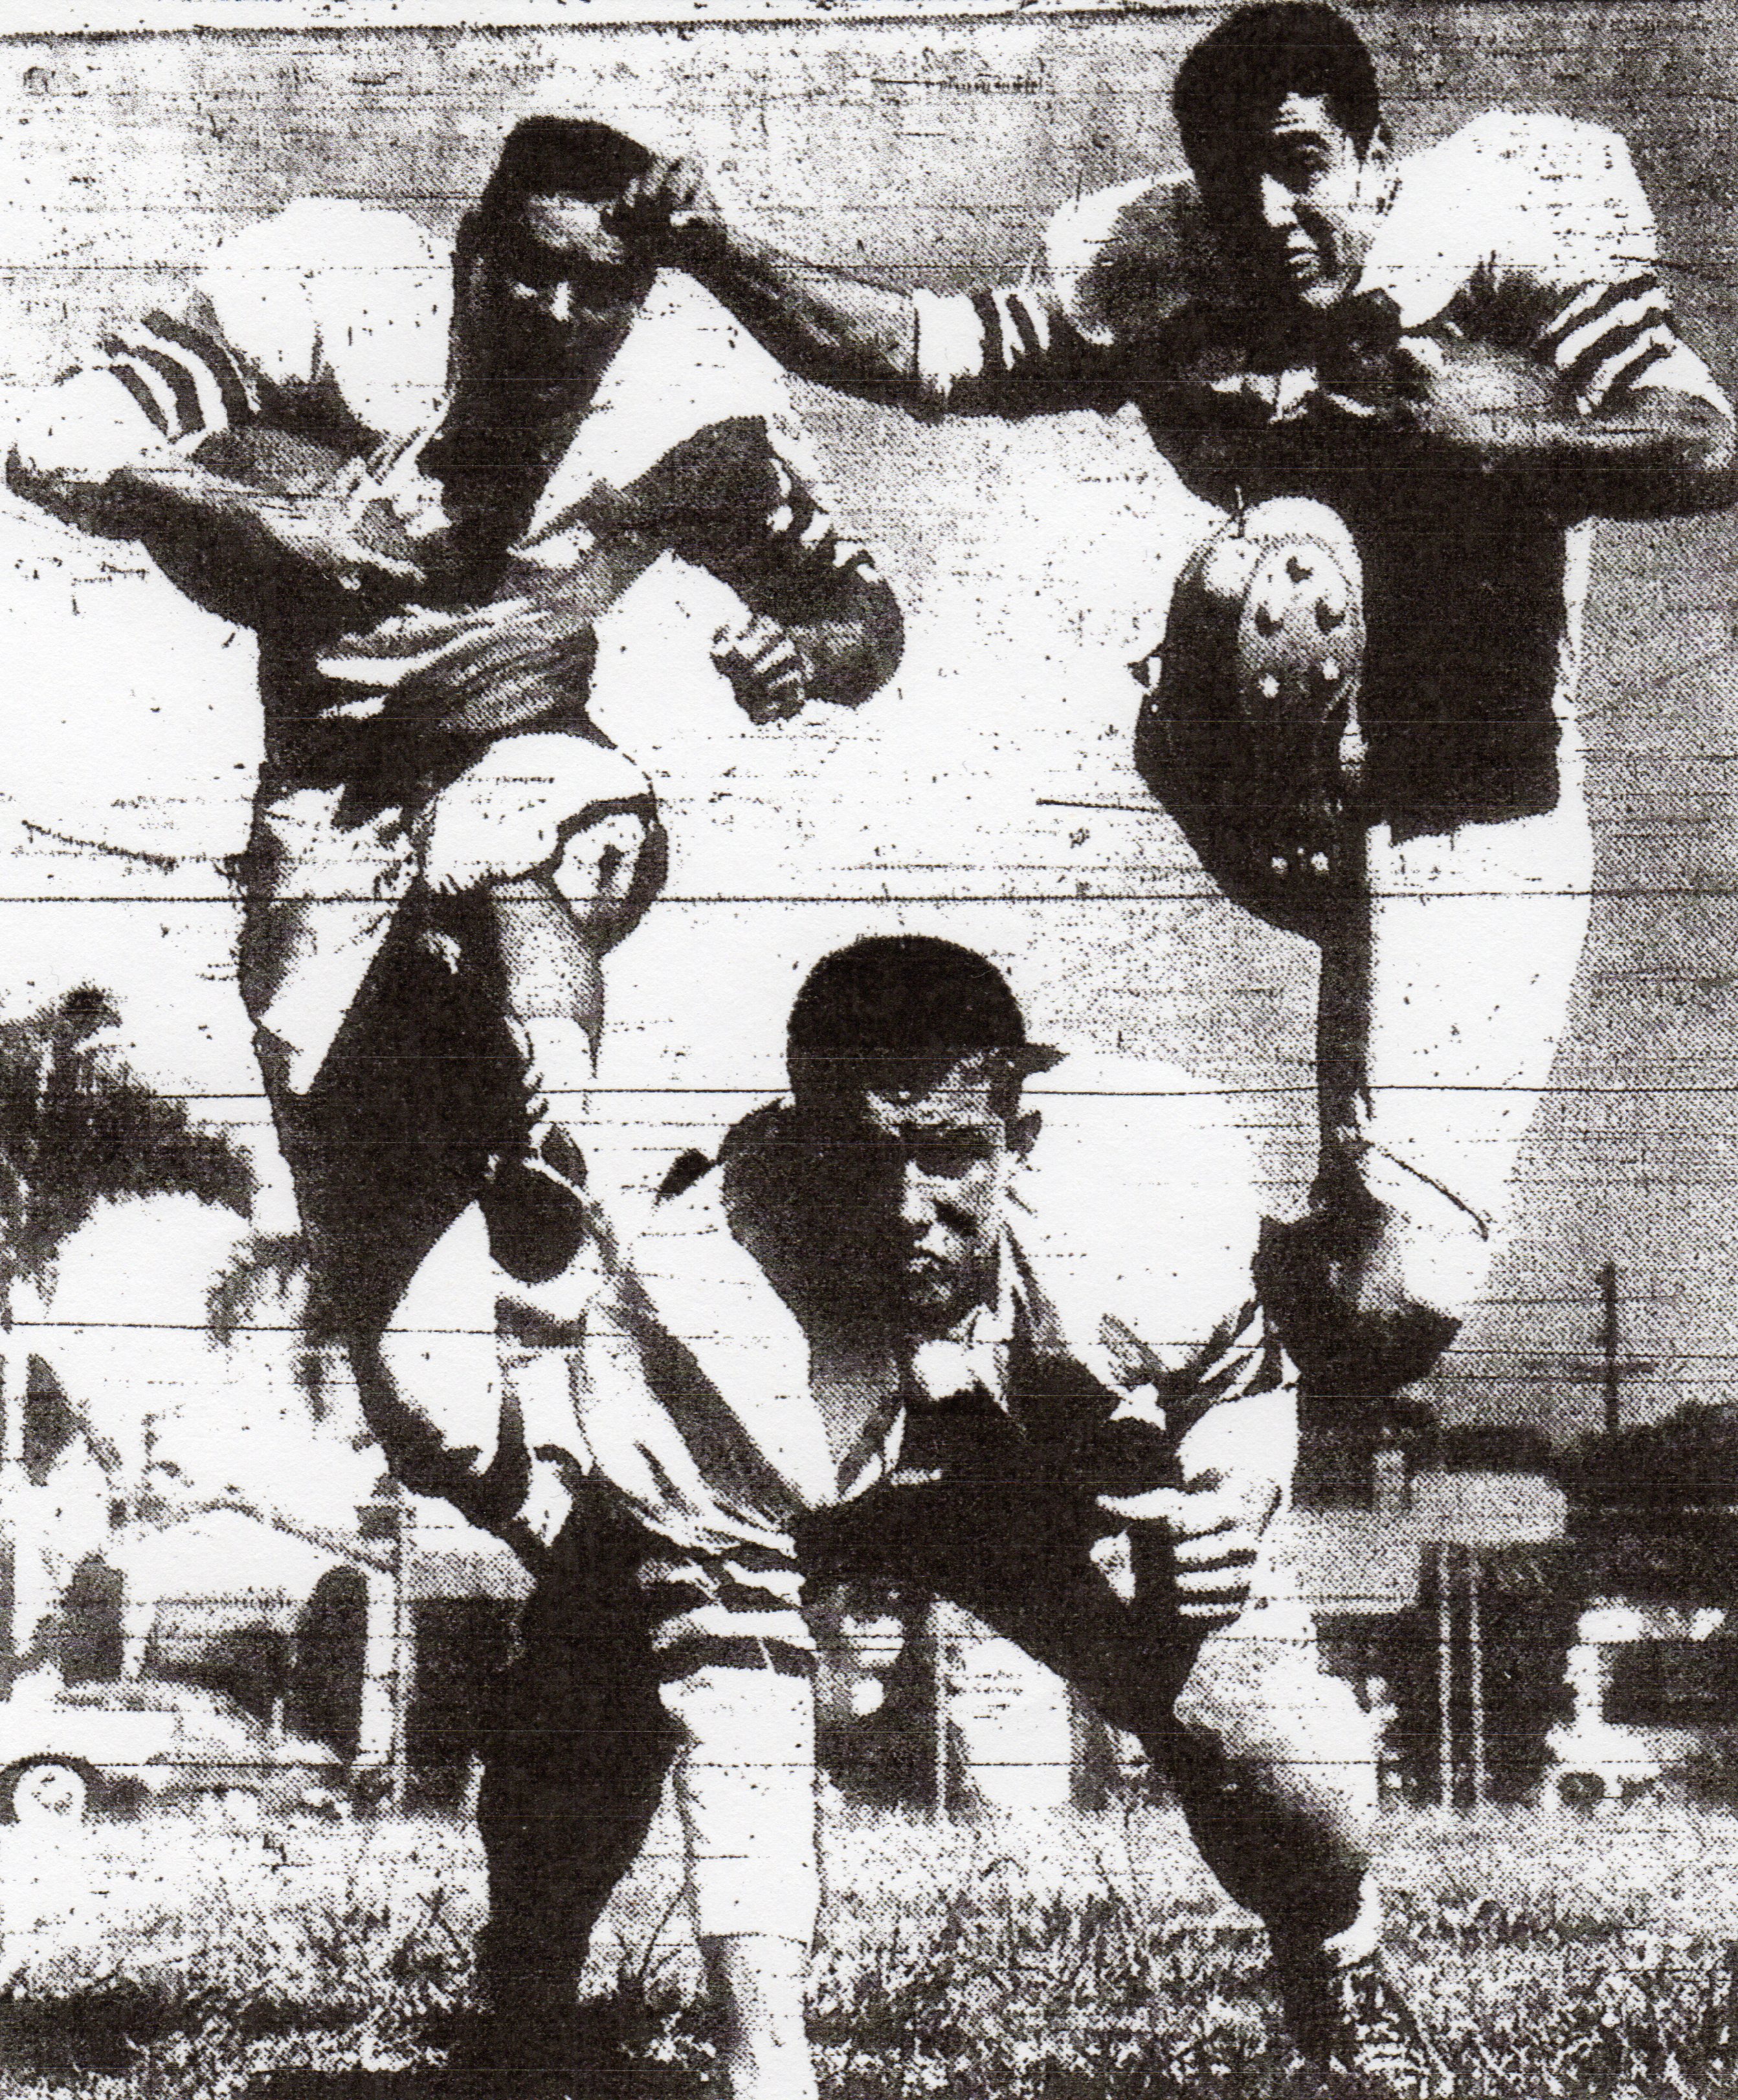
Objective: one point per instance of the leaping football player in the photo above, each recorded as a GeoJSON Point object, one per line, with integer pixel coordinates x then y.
{"type": "Point", "coordinates": [422, 479]}
{"type": "Point", "coordinates": [1411, 381]}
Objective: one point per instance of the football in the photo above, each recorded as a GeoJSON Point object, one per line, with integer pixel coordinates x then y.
{"type": "Point", "coordinates": [1482, 377]}
{"type": "Point", "coordinates": [212, 562]}
{"type": "Point", "coordinates": [276, 461]}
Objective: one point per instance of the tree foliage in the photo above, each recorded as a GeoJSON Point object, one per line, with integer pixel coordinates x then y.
{"type": "Point", "coordinates": [268, 1274]}
{"type": "Point", "coordinates": [1687, 1458]}
{"type": "Point", "coordinates": [78, 1128]}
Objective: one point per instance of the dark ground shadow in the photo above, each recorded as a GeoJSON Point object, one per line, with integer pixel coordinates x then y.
{"type": "Point", "coordinates": [103, 2028]}
{"type": "Point", "coordinates": [606, 2060]}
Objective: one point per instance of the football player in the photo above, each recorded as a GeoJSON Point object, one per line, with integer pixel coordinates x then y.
{"type": "Point", "coordinates": [1411, 381]}
{"type": "Point", "coordinates": [872, 1341]}
{"type": "Point", "coordinates": [422, 478]}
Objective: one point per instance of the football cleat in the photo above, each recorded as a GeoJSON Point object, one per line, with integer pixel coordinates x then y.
{"type": "Point", "coordinates": [536, 1207]}
{"type": "Point", "coordinates": [1250, 737]}
{"type": "Point", "coordinates": [1357, 2032]}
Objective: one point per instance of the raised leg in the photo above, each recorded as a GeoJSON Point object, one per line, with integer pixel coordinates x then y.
{"type": "Point", "coordinates": [544, 936]}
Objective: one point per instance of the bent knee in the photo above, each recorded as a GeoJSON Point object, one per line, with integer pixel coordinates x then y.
{"type": "Point", "coordinates": [510, 814]}
{"type": "Point", "coordinates": [610, 865]}
{"type": "Point", "coordinates": [1257, 1705]}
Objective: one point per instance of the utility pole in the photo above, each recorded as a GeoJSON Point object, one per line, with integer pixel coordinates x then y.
{"type": "Point", "coordinates": [1609, 1370]}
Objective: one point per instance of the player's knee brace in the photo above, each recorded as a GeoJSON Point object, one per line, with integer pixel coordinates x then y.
{"type": "Point", "coordinates": [1249, 734]}
{"type": "Point", "coordinates": [611, 865]}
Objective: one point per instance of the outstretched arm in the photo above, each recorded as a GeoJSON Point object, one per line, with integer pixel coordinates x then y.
{"type": "Point", "coordinates": [821, 324]}
{"type": "Point", "coordinates": [1012, 350]}
{"type": "Point", "coordinates": [1649, 451]}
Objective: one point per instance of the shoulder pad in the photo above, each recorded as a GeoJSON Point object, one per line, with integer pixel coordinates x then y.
{"type": "Point", "coordinates": [330, 291]}
{"type": "Point", "coordinates": [1119, 257]}
{"type": "Point", "coordinates": [1552, 196]}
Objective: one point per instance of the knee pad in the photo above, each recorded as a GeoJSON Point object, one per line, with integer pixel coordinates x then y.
{"type": "Point", "coordinates": [610, 865]}
{"type": "Point", "coordinates": [511, 812]}
{"type": "Point", "coordinates": [1250, 737]}
{"type": "Point", "coordinates": [1336, 1285]}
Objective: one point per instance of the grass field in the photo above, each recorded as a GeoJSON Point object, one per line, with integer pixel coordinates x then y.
{"type": "Point", "coordinates": [1085, 1958]}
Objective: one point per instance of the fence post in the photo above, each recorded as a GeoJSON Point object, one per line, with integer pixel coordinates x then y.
{"type": "Point", "coordinates": [1445, 1681]}
{"type": "Point", "coordinates": [940, 1642]}
{"type": "Point", "coordinates": [1475, 1672]}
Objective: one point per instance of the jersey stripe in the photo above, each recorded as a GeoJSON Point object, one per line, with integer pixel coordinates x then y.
{"type": "Point", "coordinates": [186, 411]}
{"type": "Point", "coordinates": [200, 344]}
{"type": "Point", "coordinates": [1591, 301]}
{"type": "Point", "coordinates": [1587, 348]}
{"type": "Point", "coordinates": [995, 336]}
{"type": "Point", "coordinates": [711, 1651]}
{"type": "Point", "coordinates": [738, 1611]}
{"type": "Point", "coordinates": [153, 399]}
{"type": "Point", "coordinates": [1028, 323]}
{"type": "Point", "coordinates": [673, 1592]}
{"type": "Point", "coordinates": [1622, 336]}
{"type": "Point", "coordinates": [1658, 346]}
{"type": "Point", "coordinates": [185, 379]}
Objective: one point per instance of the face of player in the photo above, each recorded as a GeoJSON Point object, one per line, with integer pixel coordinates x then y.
{"type": "Point", "coordinates": [914, 1181]}
{"type": "Point", "coordinates": [1303, 204]}
{"type": "Point", "coordinates": [553, 294]}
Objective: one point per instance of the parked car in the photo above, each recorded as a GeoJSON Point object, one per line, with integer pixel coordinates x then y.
{"type": "Point", "coordinates": [67, 1749]}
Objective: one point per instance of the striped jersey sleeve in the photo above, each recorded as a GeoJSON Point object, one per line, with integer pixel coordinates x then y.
{"type": "Point", "coordinates": [736, 1610]}
{"type": "Point", "coordinates": [182, 376]}
{"type": "Point", "coordinates": [1108, 265]}
{"type": "Point", "coordinates": [1608, 339]}
{"type": "Point", "coordinates": [328, 317]}
{"type": "Point", "coordinates": [160, 381]}
{"type": "Point", "coordinates": [1580, 259]}
{"type": "Point", "coordinates": [1003, 351]}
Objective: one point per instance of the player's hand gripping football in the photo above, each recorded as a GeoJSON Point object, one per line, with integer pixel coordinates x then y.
{"type": "Point", "coordinates": [1444, 401]}
{"type": "Point", "coordinates": [1468, 402]}
{"type": "Point", "coordinates": [1214, 1528]}
{"type": "Point", "coordinates": [670, 203]}
{"type": "Point", "coordinates": [343, 536]}
{"type": "Point", "coordinates": [765, 668]}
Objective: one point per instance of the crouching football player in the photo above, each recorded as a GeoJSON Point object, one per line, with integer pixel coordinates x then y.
{"type": "Point", "coordinates": [851, 1348]}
